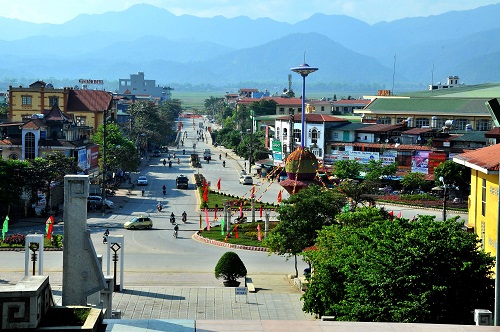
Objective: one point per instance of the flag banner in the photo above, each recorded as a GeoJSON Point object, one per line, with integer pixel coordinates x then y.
{"type": "Point", "coordinates": [236, 231]}
{"type": "Point", "coordinates": [218, 184]}
{"type": "Point", "coordinates": [261, 211]}
{"type": "Point", "coordinates": [205, 194]}
{"type": "Point", "coordinates": [400, 214]}
{"type": "Point", "coordinates": [215, 213]}
{"type": "Point", "coordinates": [279, 196]}
{"type": "Point", "coordinates": [206, 219]}
{"type": "Point", "coordinates": [258, 233]}
{"type": "Point", "coordinates": [222, 224]}
{"type": "Point", "coordinates": [241, 210]}
{"type": "Point", "coordinates": [5, 227]}
{"type": "Point", "coordinates": [48, 227]}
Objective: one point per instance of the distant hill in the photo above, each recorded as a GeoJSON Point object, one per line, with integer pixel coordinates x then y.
{"type": "Point", "coordinates": [221, 51]}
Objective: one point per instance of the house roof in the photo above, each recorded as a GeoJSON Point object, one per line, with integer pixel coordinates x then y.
{"type": "Point", "coordinates": [88, 100]}
{"type": "Point", "coordinates": [55, 115]}
{"type": "Point", "coordinates": [375, 128]}
{"type": "Point", "coordinates": [485, 160]}
{"type": "Point", "coordinates": [493, 133]}
{"type": "Point", "coordinates": [471, 136]}
{"type": "Point", "coordinates": [416, 131]}
{"type": "Point", "coordinates": [313, 117]}
{"type": "Point", "coordinates": [33, 124]}
{"type": "Point", "coordinates": [357, 102]}
{"type": "Point", "coordinates": [487, 91]}
{"type": "Point", "coordinates": [279, 101]}
{"type": "Point", "coordinates": [429, 106]}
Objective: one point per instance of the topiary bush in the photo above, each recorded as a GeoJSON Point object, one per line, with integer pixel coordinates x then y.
{"type": "Point", "coordinates": [14, 239]}
{"type": "Point", "coordinates": [230, 267]}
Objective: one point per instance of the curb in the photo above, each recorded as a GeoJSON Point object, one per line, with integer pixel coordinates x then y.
{"type": "Point", "coordinates": [199, 238]}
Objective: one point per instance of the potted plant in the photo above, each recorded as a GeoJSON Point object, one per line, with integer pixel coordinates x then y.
{"type": "Point", "coordinates": [230, 267]}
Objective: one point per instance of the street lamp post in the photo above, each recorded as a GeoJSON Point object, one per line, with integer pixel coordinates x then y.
{"type": "Point", "coordinates": [103, 206]}
{"type": "Point", "coordinates": [444, 197]}
{"type": "Point", "coordinates": [290, 135]}
{"type": "Point", "coordinates": [303, 70]}
{"type": "Point", "coordinates": [250, 159]}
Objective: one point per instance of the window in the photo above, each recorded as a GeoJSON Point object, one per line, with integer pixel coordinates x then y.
{"type": "Point", "coordinates": [438, 123]}
{"type": "Point", "coordinates": [285, 133]}
{"type": "Point", "coordinates": [81, 121]}
{"type": "Point", "coordinates": [483, 125]}
{"type": "Point", "coordinates": [29, 150]}
{"type": "Point", "coordinates": [296, 135]}
{"type": "Point", "coordinates": [400, 120]}
{"type": "Point", "coordinates": [291, 111]}
{"type": "Point", "coordinates": [422, 122]}
{"type": "Point", "coordinates": [25, 117]}
{"type": "Point", "coordinates": [314, 135]}
{"type": "Point", "coordinates": [322, 109]}
{"type": "Point", "coordinates": [336, 135]}
{"type": "Point", "coordinates": [459, 124]}
{"type": "Point", "coordinates": [483, 198]}
{"type": "Point", "coordinates": [53, 100]}
{"type": "Point", "coordinates": [384, 120]}
{"type": "Point", "coordinates": [26, 100]}
{"type": "Point", "coordinates": [281, 111]}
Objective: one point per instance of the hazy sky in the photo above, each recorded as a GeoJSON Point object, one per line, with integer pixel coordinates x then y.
{"type": "Point", "coordinates": [370, 11]}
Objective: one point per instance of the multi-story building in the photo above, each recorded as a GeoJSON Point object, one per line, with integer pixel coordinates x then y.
{"type": "Point", "coordinates": [139, 86]}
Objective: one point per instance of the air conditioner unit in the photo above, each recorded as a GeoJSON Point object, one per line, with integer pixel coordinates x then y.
{"type": "Point", "coordinates": [296, 140]}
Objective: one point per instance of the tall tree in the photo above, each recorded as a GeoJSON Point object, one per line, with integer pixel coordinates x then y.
{"type": "Point", "coordinates": [413, 180]}
{"type": "Point", "coordinates": [453, 174]}
{"type": "Point", "coordinates": [347, 169]}
{"type": "Point", "coordinates": [13, 179]}
{"type": "Point", "coordinates": [301, 216]}
{"type": "Point", "coordinates": [399, 271]}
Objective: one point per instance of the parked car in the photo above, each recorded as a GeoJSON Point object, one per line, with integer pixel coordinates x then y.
{"type": "Point", "coordinates": [246, 179]}
{"type": "Point", "coordinates": [182, 182]}
{"type": "Point", "coordinates": [142, 180]}
{"type": "Point", "coordinates": [139, 223]}
{"type": "Point", "coordinates": [96, 201]}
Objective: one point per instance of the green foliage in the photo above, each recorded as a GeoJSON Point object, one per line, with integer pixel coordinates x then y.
{"type": "Point", "coordinates": [358, 191]}
{"type": "Point", "coordinates": [15, 240]}
{"type": "Point", "coordinates": [453, 174]}
{"type": "Point", "coordinates": [301, 216]}
{"type": "Point", "coordinates": [375, 169]}
{"type": "Point", "coordinates": [413, 180]}
{"type": "Point", "coordinates": [347, 169]}
{"type": "Point", "coordinates": [230, 267]}
{"type": "Point", "coordinates": [362, 217]}
{"type": "Point", "coordinates": [13, 178]}
{"type": "Point", "coordinates": [56, 241]}
{"type": "Point", "coordinates": [399, 271]}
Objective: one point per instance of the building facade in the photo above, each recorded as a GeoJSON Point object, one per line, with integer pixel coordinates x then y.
{"type": "Point", "coordinates": [139, 86]}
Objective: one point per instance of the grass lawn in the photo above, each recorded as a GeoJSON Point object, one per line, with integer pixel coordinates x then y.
{"type": "Point", "coordinates": [247, 234]}
{"type": "Point", "coordinates": [215, 198]}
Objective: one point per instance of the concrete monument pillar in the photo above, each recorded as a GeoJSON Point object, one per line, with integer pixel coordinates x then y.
{"type": "Point", "coordinates": [82, 274]}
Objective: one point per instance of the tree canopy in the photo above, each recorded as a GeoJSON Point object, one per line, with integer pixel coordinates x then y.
{"type": "Point", "coordinates": [379, 270]}
{"type": "Point", "coordinates": [301, 216]}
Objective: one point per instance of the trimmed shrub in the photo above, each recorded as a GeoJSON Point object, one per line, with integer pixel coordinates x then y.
{"type": "Point", "coordinates": [230, 267]}
{"type": "Point", "coordinates": [13, 239]}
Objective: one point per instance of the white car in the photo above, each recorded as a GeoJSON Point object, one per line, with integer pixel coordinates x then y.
{"type": "Point", "coordinates": [246, 179]}
{"type": "Point", "coordinates": [142, 180]}
{"type": "Point", "coordinates": [97, 201]}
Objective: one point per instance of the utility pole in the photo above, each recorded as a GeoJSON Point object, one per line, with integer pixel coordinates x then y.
{"type": "Point", "coordinates": [103, 207]}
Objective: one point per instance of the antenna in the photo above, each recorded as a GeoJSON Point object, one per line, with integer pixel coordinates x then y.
{"type": "Point", "coordinates": [393, 74]}
{"type": "Point", "coordinates": [304, 56]}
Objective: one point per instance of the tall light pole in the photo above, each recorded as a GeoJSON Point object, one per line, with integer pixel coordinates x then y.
{"type": "Point", "coordinates": [303, 70]}
{"type": "Point", "coordinates": [444, 197]}
{"type": "Point", "coordinates": [103, 207]}
{"type": "Point", "coordinates": [250, 159]}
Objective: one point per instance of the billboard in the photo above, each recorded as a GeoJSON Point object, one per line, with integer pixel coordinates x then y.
{"type": "Point", "coordinates": [420, 162]}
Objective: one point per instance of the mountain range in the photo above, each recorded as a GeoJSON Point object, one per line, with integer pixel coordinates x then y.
{"type": "Point", "coordinates": [219, 51]}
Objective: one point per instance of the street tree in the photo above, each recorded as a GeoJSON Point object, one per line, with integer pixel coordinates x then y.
{"type": "Point", "coordinates": [358, 192]}
{"type": "Point", "coordinates": [13, 180]}
{"type": "Point", "coordinates": [453, 174]}
{"type": "Point", "coordinates": [347, 169]}
{"type": "Point", "coordinates": [300, 217]}
{"type": "Point", "coordinates": [263, 107]}
{"type": "Point", "coordinates": [413, 180]}
{"type": "Point", "coordinates": [375, 170]}
{"type": "Point", "coordinates": [399, 271]}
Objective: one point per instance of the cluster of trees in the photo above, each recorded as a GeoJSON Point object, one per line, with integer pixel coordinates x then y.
{"type": "Point", "coordinates": [236, 132]}
{"type": "Point", "coordinates": [27, 177]}
{"type": "Point", "coordinates": [369, 266]}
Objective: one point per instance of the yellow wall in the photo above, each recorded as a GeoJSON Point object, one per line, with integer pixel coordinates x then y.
{"type": "Point", "coordinates": [37, 104]}
{"type": "Point", "coordinates": [484, 226]}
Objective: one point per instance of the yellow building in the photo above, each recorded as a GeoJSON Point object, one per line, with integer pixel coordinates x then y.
{"type": "Point", "coordinates": [84, 107]}
{"type": "Point", "coordinates": [484, 193]}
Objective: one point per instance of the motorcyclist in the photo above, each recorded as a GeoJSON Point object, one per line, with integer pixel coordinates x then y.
{"type": "Point", "coordinates": [164, 162]}
{"type": "Point", "coordinates": [164, 189]}
{"type": "Point", "coordinates": [183, 151]}
{"type": "Point", "coordinates": [178, 160]}
{"type": "Point", "coordinates": [170, 163]}
{"type": "Point", "coordinates": [105, 236]}
{"type": "Point", "coordinates": [176, 230]}
{"type": "Point", "coordinates": [224, 163]}
{"type": "Point", "coordinates": [184, 216]}
{"type": "Point", "coordinates": [220, 157]}
{"type": "Point", "coordinates": [159, 207]}
{"type": "Point", "coordinates": [172, 218]}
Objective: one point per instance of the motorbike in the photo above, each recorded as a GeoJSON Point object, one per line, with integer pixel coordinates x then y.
{"type": "Point", "coordinates": [184, 218]}
{"type": "Point", "coordinates": [105, 236]}
{"type": "Point", "coordinates": [110, 192]}
{"type": "Point", "coordinates": [164, 162]}
{"type": "Point", "coordinates": [159, 207]}
{"type": "Point", "coordinates": [183, 151]}
{"type": "Point", "coordinates": [164, 190]}
{"type": "Point", "coordinates": [170, 164]}
{"type": "Point", "coordinates": [178, 161]}
{"type": "Point", "coordinates": [224, 163]}
{"type": "Point", "coordinates": [172, 219]}
{"type": "Point", "coordinates": [176, 231]}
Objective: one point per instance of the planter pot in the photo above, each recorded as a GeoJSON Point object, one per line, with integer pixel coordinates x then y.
{"type": "Point", "coordinates": [231, 283]}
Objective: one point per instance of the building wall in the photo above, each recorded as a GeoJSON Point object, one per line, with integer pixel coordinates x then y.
{"type": "Point", "coordinates": [484, 226]}
{"type": "Point", "coordinates": [40, 101]}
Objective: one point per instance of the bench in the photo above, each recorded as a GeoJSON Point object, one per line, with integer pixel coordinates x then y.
{"type": "Point", "coordinates": [249, 284]}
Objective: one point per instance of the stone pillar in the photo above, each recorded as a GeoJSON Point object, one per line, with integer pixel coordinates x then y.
{"type": "Point", "coordinates": [266, 225]}
{"type": "Point", "coordinates": [82, 274]}
{"type": "Point", "coordinates": [38, 239]}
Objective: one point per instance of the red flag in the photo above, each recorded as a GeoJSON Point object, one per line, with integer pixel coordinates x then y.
{"type": "Point", "coordinates": [391, 215]}
{"type": "Point", "coordinates": [205, 194]}
{"type": "Point", "coordinates": [218, 184]}
{"type": "Point", "coordinates": [400, 214]}
{"type": "Point", "coordinates": [258, 233]}
{"type": "Point", "coordinates": [241, 209]}
{"type": "Point", "coordinates": [206, 219]}
{"type": "Point", "coordinates": [279, 196]}
{"type": "Point", "coordinates": [215, 213]}
{"type": "Point", "coordinates": [261, 210]}
{"type": "Point", "coordinates": [48, 226]}
{"type": "Point", "coordinates": [236, 231]}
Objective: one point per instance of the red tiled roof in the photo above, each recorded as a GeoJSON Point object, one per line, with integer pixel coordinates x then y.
{"type": "Point", "coordinates": [55, 114]}
{"type": "Point", "coordinates": [88, 100]}
{"type": "Point", "coordinates": [33, 124]}
{"type": "Point", "coordinates": [493, 133]}
{"type": "Point", "coordinates": [391, 146]}
{"type": "Point", "coordinates": [484, 159]}
{"type": "Point", "coordinates": [416, 131]}
{"type": "Point", "coordinates": [313, 117]}
{"type": "Point", "coordinates": [279, 100]}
